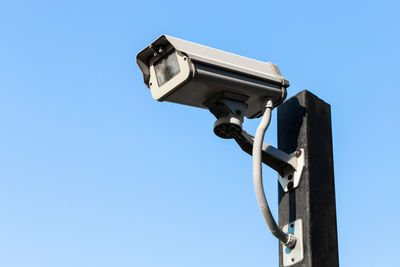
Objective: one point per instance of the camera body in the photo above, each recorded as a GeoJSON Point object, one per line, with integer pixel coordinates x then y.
{"type": "Point", "coordinates": [191, 74]}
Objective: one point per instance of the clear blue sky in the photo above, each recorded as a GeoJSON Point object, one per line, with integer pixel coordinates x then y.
{"type": "Point", "coordinates": [94, 172]}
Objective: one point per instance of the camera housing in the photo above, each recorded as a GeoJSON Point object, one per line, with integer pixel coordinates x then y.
{"type": "Point", "coordinates": [183, 72]}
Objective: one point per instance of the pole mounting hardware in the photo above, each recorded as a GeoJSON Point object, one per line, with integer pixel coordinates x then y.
{"type": "Point", "coordinates": [290, 181]}
{"type": "Point", "coordinates": [291, 256]}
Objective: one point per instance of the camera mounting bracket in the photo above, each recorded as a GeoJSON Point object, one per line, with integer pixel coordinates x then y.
{"type": "Point", "coordinates": [229, 109]}
{"type": "Point", "coordinates": [289, 167]}
{"type": "Point", "coordinates": [292, 180]}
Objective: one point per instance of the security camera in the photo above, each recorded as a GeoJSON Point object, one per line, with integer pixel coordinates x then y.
{"type": "Point", "coordinates": [191, 74]}
{"type": "Point", "coordinates": [231, 87]}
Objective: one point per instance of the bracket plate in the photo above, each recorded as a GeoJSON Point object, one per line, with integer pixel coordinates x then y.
{"type": "Point", "coordinates": [295, 255]}
{"type": "Point", "coordinates": [291, 181]}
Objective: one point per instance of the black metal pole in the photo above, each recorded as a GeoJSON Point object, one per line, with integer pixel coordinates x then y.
{"type": "Point", "coordinates": [304, 121]}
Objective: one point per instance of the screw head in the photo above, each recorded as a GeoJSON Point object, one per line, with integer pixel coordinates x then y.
{"type": "Point", "coordinates": [292, 259]}
{"type": "Point", "coordinates": [297, 153]}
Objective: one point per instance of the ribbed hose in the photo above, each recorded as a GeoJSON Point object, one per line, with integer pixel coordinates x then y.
{"type": "Point", "coordinates": [287, 239]}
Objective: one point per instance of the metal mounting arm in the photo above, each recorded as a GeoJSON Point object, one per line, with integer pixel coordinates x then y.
{"type": "Point", "coordinates": [278, 160]}
{"type": "Point", "coordinates": [288, 166]}
{"type": "Point", "coordinates": [229, 110]}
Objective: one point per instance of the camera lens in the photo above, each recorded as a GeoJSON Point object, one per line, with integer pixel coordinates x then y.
{"type": "Point", "coordinates": [169, 72]}
{"type": "Point", "coordinates": [166, 68]}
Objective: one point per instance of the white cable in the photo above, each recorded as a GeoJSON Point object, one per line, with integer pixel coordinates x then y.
{"type": "Point", "coordinates": [287, 239]}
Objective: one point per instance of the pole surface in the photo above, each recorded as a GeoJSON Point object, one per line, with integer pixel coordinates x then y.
{"type": "Point", "coordinates": [304, 121]}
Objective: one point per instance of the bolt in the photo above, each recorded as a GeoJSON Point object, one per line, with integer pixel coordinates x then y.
{"type": "Point", "coordinates": [290, 177]}
{"type": "Point", "coordinates": [150, 84]}
{"type": "Point", "coordinates": [290, 186]}
{"type": "Point", "coordinates": [297, 153]}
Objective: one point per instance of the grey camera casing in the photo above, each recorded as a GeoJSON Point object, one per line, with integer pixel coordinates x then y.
{"type": "Point", "coordinates": [207, 73]}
